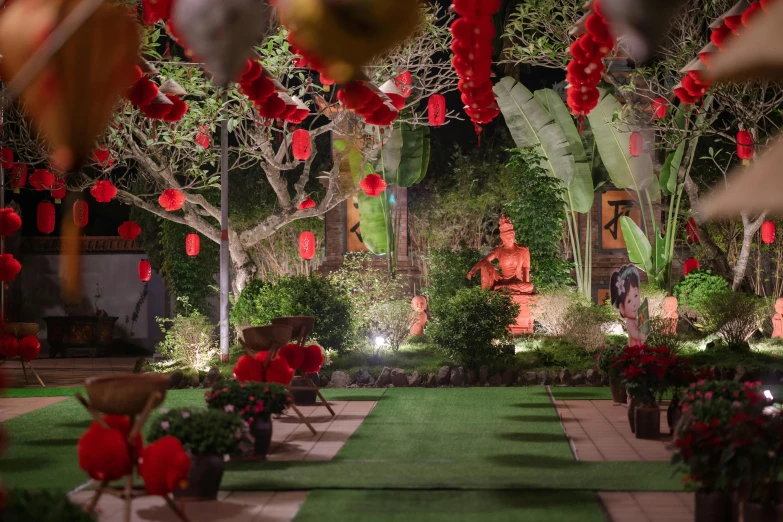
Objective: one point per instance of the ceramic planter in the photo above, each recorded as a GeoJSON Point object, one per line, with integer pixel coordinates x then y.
{"type": "Point", "coordinates": [673, 413]}
{"type": "Point", "coordinates": [647, 422]}
{"type": "Point", "coordinates": [305, 396]}
{"type": "Point", "coordinates": [712, 507]}
{"type": "Point", "coordinates": [753, 512]}
{"type": "Point", "coordinates": [261, 430]}
{"type": "Point", "coordinates": [206, 473]}
{"type": "Point", "coordinates": [631, 417]}
{"type": "Point", "coordinates": [619, 395]}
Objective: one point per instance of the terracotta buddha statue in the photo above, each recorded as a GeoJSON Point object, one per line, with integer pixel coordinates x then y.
{"type": "Point", "coordinates": [514, 275]}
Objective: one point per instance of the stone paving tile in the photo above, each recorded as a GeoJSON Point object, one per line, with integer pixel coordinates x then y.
{"type": "Point", "coordinates": [10, 408]}
{"type": "Point", "coordinates": [648, 506]}
{"type": "Point", "coordinates": [600, 432]}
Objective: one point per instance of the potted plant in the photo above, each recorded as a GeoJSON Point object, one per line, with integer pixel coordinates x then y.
{"type": "Point", "coordinates": [605, 359]}
{"type": "Point", "coordinates": [255, 402]}
{"type": "Point", "coordinates": [43, 506]}
{"type": "Point", "coordinates": [208, 435]}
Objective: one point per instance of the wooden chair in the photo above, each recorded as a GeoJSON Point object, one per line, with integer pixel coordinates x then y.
{"type": "Point", "coordinates": [301, 328]}
{"type": "Point", "coordinates": [270, 339]}
{"type": "Point", "coordinates": [134, 396]}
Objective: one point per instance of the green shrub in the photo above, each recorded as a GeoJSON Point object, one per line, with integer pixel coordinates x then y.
{"type": "Point", "coordinates": [203, 431]}
{"type": "Point", "coordinates": [552, 309]}
{"type": "Point", "coordinates": [472, 326]}
{"type": "Point", "coordinates": [734, 317]}
{"type": "Point", "coordinates": [43, 506]}
{"type": "Point", "coordinates": [189, 338]}
{"type": "Point", "coordinates": [262, 301]}
{"type": "Point", "coordinates": [392, 321]}
{"type": "Point", "coordinates": [587, 325]}
{"type": "Point", "coordinates": [556, 352]}
{"type": "Point", "coordinates": [697, 289]}
{"type": "Point", "coordinates": [251, 400]}
{"type": "Point", "coordinates": [448, 273]}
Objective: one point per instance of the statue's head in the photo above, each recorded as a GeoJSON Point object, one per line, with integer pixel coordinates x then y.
{"type": "Point", "coordinates": [670, 304]}
{"type": "Point", "coordinates": [419, 303]}
{"type": "Point", "coordinates": [507, 234]}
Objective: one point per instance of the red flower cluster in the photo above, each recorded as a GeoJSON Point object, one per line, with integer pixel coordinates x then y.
{"type": "Point", "coordinates": [472, 47]}
{"type": "Point", "coordinates": [645, 370]}
{"type": "Point", "coordinates": [251, 369]}
{"type": "Point", "coordinates": [584, 71]}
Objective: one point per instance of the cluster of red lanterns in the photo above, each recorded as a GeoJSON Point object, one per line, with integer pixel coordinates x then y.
{"type": "Point", "coordinates": [300, 144]}
{"type": "Point", "coordinates": [586, 67]}
{"type": "Point", "coordinates": [27, 348]}
{"type": "Point", "coordinates": [472, 46]}
{"type": "Point", "coordinates": [307, 245]}
{"type": "Point", "coordinates": [171, 200]}
{"type": "Point", "coordinates": [363, 98]}
{"type": "Point", "coordinates": [768, 232]}
{"type": "Point", "coordinates": [261, 89]}
{"type": "Point", "coordinates": [103, 191]}
{"type": "Point", "coordinates": [373, 185]}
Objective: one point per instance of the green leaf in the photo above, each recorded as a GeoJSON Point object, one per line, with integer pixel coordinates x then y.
{"type": "Point", "coordinates": [375, 221]}
{"type": "Point", "coordinates": [663, 178]}
{"type": "Point", "coordinates": [660, 255]}
{"type": "Point", "coordinates": [639, 248]}
{"type": "Point", "coordinates": [340, 145]}
{"type": "Point", "coordinates": [532, 126]}
{"type": "Point", "coordinates": [612, 140]}
{"type": "Point", "coordinates": [390, 155]}
{"type": "Point", "coordinates": [412, 161]}
{"type": "Point", "coordinates": [671, 185]}
{"type": "Point", "coordinates": [425, 157]}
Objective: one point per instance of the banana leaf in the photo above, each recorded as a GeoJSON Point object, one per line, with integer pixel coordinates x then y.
{"type": "Point", "coordinates": [388, 161]}
{"type": "Point", "coordinates": [639, 248]}
{"type": "Point", "coordinates": [425, 156]}
{"type": "Point", "coordinates": [415, 155]}
{"type": "Point", "coordinates": [612, 139]}
{"type": "Point", "coordinates": [671, 167]}
{"type": "Point", "coordinates": [532, 126]}
{"type": "Point", "coordinates": [375, 222]}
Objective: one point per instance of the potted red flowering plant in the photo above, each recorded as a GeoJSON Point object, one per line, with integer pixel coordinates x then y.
{"type": "Point", "coordinates": [255, 402]}
{"type": "Point", "coordinates": [605, 359]}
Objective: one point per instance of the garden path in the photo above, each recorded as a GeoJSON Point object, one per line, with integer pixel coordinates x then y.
{"type": "Point", "coordinates": [71, 371]}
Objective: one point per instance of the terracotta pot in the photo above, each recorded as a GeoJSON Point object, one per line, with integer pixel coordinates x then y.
{"type": "Point", "coordinates": [631, 417]}
{"type": "Point", "coordinates": [261, 430]}
{"type": "Point", "coordinates": [305, 396]}
{"type": "Point", "coordinates": [619, 395]}
{"type": "Point", "coordinates": [673, 413]}
{"type": "Point", "coordinates": [206, 473]}
{"type": "Point", "coordinates": [647, 422]}
{"type": "Point", "coordinates": [753, 512]}
{"type": "Point", "coordinates": [712, 507]}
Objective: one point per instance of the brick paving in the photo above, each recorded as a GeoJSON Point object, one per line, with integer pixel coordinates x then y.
{"type": "Point", "coordinates": [10, 408]}
{"type": "Point", "coordinates": [648, 506]}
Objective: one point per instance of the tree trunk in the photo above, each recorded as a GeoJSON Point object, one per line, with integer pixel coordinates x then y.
{"type": "Point", "coordinates": [244, 268]}
{"type": "Point", "coordinates": [749, 231]}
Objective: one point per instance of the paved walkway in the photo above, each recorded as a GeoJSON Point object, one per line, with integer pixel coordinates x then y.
{"type": "Point", "coordinates": [649, 506]}
{"type": "Point", "coordinates": [10, 408]}
{"type": "Point", "coordinates": [65, 372]}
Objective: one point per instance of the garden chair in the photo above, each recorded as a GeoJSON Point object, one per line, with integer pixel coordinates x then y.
{"type": "Point", "coordinates": [270, 339]}
{"type": "Point", "coordinates": [301, 328]}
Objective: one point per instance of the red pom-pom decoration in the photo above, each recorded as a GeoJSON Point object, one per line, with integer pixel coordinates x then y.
{"type": "Point", "coordinates": [10, 221]}
{"type": "Point", "coordinates": [103, 453]}
{"type": "Point", "coordinates": [313, 359]}
{"type": "Point", "coordinates": [9, 267]}
{"type": "Point", "coordinates": [249, 369]}
{"type": "Point", "coordinates": [45, 217]}
{"type": "Point", "coordinates": [164, 466]}
{"type": "Point", "coordinates": [293, 354]}
{"type": "Point", "coordinates": [103, 191]}
{"type": "Point", "coordinates": [719, 36]}
{"type": "Point", "coordinates": [142, 92]}
{"type": "Point", "coordinates": [29, 347]}
{"type": "Point", "coordinates": [129, 230]}
{"type": "Point", "coordinates": [373, 185]}
{"type": "Point", "coordinates": [9, 346]}
{"type": "Point", "coordinates": [278, 370]}
{"type": "Point", "coordinates": [102, 156]}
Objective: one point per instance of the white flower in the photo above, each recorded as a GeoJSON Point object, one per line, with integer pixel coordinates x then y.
{"type": "Point", "coordinates": [620, 284]}
{"type": "Point", "coordinates": [165, 425]}
{"type": "Point", "coordinates": [228, 408]}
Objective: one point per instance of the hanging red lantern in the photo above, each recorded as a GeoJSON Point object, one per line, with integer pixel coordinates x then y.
{"type": "Point", "coordinates": [10, 221]}
{"type": "Point", "coordinates": [18, 176]}
{"type": "Point", "coordinates": [192, 244]}
{"type": "Point", "coordinates": [636, 144]}
{"type": "Point", "coordinates": [300, 144]}
{"type": "Point", "coordinates": [307, 204]}
{"type": "Point", "coordinates": [145, 270]}
{"type": "Point", "coordinates": [689, 266]}
{"type": "Point", "coordinates": [436, 110]}
{"type": "Point", "coordinates": [745, 147]}
{"type": "Point", "coordinates": [129, 230]}
{"type": "Point", "coordinates": [9, 267]}
{"type": "Point", "coordinates": [103, 191]}
{"type": "Point", "coordinates": [6, 158]}
{"type": "Point", "coordinates": [373, 185]}
{"type": "Point", "coordinates": [42, 179]}
{"type": "Point", "coordinates": [178, 109]}
{"type": "Point", "coordinates": [102, 156]}
{"type": "Point", "coordinates": [404, 82]}
{"type": "Point", "coordinates": [45, 217]}
{"type": "Point", "coordinates": [58, 190]}
{"type": "Point", "coordinates": [692, 230]}
{"type": "Point", "coordinates": [202, 137]}
{"type": "Point", "coordinates": [659, 108]}
{"type": "Point", "coordinates": [81, 213]}
{"type": "Point", "coordinates": [307, 245]}
{"type": "Point", "coordinates": [768, 232]}
{"type": "Point", "coordinates": [171, 200]}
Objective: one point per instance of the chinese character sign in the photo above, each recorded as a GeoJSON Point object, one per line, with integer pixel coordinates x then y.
{"type": "Point", "coordinates": [614, 205]}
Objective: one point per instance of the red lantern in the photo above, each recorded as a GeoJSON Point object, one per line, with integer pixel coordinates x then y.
{"type": "Point", "coordinates": [768, 232]}
{"type": "Point", "coordinates": [301, 144]}
{"type": "Point", "coordinates": [58, 190]}
{"type": "Point", "coordinates": [307, 204]}
{"type": "Point", "coordinates": [307, 245]}
{"type": "Point", "coordinates": [9, 267]}
{"type": "Point", "coordinates": [692, 230]}
{"type": "Point", "coordinates": [690, 265]}
{"type": "Point", "coordinates": [81, 214]}
{"type": "Point", "coordinates": [436, 110]}
{"type": "Point", "coordinates": [42, 179]}
{"type": "Point", "coordinates": [178, 109]}
{"type": "Point", "coordinates": [145, 270]}
{"type": "Point", "coordinates": [103, 191]}
{"type": "Point", "coordinates": [192, 244]}
{"type": "Point", "coordinates": [659, 108]}
{"type": "Point", "coordinates": [129, 230]}
{"type": "Point", "coordinates": [372, 185]}
{"type": "Point", "coordinates": [142, 92]}
{"type": "Point", "coordinates": [745, 147]}
{"type": "Point", "coordinates": [18, 176]}
{"type": "Point", "coordinates": [45, 217]}
{"type": "Point", "coordinates": [10, 221]}
{"type": "Point", "coordinates": [171, 200]}
{"type": "Point", "coordinates": [404, 82]}
{"type": "Point", "coordinates": [29, 347]}
{"type": "Point", "coordinates": [202, 137]}
{"type": "Point", "coordinates": [636, 144]}
{"type": "Point", "coordinates": [102, 157]}
{"type": "Point", "coordinates": [6, 158]}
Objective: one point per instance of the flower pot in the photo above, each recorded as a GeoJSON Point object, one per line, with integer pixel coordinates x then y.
{"type": "Point", "coordinates": [619, 395]}
{"type": "Point", "coordinates": [673, 413]}
{"type": "Point", "coordinates": [305, 396]}
{"type": "Point", "coordinates": [712, 507]}
{"type": "Point", "coordinates": [753, 512]}
{"type": "Point", "coordinates": [261, 430]}
{"type": "Point", "coordinates": [631, 409]}
{"type": "Point", "coordinates": [206, 472]}
{"type": "Point", "coordinates": [647, 422]}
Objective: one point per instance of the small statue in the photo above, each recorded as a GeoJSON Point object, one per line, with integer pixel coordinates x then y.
{"type": "Point", "coordinates": [670, 315]}
{"type": "Point", "coordinates": [777, 319]}
{"type": "Point", "coordinates": [627, 299]}
{"type": "Point", "coordinates": [514, 275]}
{"type": "Point", "coordinates": [419, 305]}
